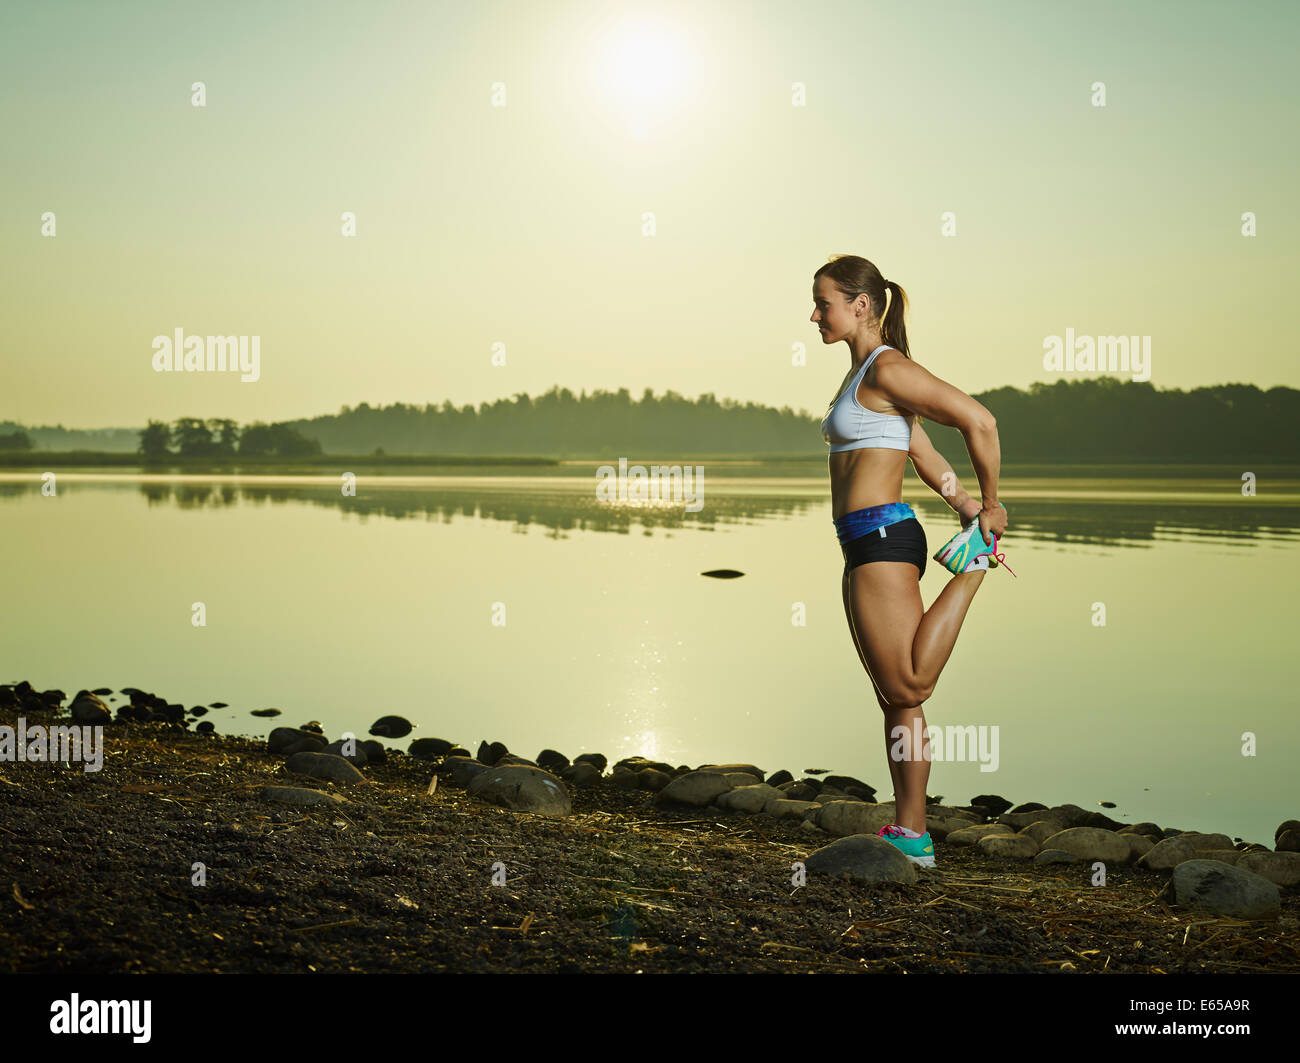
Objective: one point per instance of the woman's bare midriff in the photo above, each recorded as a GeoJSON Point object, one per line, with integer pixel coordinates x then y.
{"type": "Point", "coordinates": [868, 476]}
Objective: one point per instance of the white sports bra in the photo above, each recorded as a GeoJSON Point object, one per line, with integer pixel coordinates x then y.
{"type": "Point", "coordinates": [848, 425]}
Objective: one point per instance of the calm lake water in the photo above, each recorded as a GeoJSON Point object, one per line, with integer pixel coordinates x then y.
{"type": "Point", "coordinates": [342, 609]}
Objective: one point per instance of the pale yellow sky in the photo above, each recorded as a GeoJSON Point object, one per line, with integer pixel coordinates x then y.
{"type": "Point", "coordinates": [523, 225]}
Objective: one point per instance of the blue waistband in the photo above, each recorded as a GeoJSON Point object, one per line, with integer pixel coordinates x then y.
{"type": "Point", "coordinates": [861, 521]}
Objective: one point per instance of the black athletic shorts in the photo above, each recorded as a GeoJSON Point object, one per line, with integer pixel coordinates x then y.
{"type": "Point", "coordinates": [904, 541]}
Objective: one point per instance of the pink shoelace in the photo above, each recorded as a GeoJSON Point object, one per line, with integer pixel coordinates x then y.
{"type": "Point", "coordinates": [1001, 558]}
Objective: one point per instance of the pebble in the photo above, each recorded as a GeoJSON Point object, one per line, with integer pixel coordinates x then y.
{"type": "Point", "coordinates": [1056, 856]}
{"type": "Point", "coordinates": [265, 712]}
{"type": "Point", "coordinates": [288, 740]}
{"type": "Point", "coordinates": [996, 805]}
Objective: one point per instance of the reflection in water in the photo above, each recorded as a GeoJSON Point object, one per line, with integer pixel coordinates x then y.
{"type": "Point", "coordinates": [1120, 513]}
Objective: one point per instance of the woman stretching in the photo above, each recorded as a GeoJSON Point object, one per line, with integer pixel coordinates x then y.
{"type": "Point", "coordinates": [872, 430]}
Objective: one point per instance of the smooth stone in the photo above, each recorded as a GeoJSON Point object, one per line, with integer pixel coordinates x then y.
{"type": "Point", "coordinates": [598, 759]}
{"type": "Point", "coordinates": [515, 758]}
{"type": "Point", "coordinates": [995, 804]}
{"type": "Point", "coordinates": [1282, 869]}
{"type": "Point", "coordinates": [1028, 806]}
{"type": "Point", "coordinates": [1227, 856]}
{"type": "Point", "coordinates": [1041, 831]}
{"type": "Point", "coordinates": [1167, 854]}
{"type": "Point", "coordinates": [752, 798]}
{"type": "Point", "coordinates": [1056, 856]}
{"type": "Point", "coordinates": [1288, 841]}
{"type": "Point", "coordinates": [727, 769]}
{"type": "Point", "coordinates": [1020, 820]}
{"type": "Point", "coordinates": [1284, 826]}
{"type": "Point", "coordinates": [1207, 841]}
{"type": "Point", "coordinates": [653, 779]}
{"type": "Point", "coordinates": [846, 818]}
{"type": "Point", "coordinates": [625, 778]}
{"type": "Point", "coordinates": [1222, 889]}
{"type": "Point", "coordinates": [1072, 815]}
{"type": "Point", "coordinates": [863, 858]}
{"type": "Point", "coordinates": [324, 766]}
{"type": "Point", "coordinates": [359, 756]}
{"type": "Point", "coordinates": [785, 808]}
{"type": "Point", "coordinates": [376, 753]}
{"type": "Point", "coordinates": [429, 748]}
{"type": "Point", "coordinates": [697, 788]}
{"type": "Point", "coordinates": [265, 712]}
{"type": "Point", "coordinates": [199, 710]}
{"type": "Point", "coordinates": [641, 763]}
{"type": "Point", "coordinates": [312, 727]}
{"type": "Point", "coordinates": [829, 795]}
{"type": "Point", "coordinates": [522, 788]}
{"type": "Point", "coordinates": [1090, 843]}
{"type": "Point", "coordinates": [849, 785]}
{"type": "Point", "coordinates": [391, 727]}
{"type": "Point", "coordinates": [972, 835]}
{"type": "Point", "coordinates": [300, 795]}
{"type": "Point", "coordinates": [552, 760]}
{"type": "Point", "coordinates": [284, 739]}
{"type": "Point", "coordinates": [780, 777]}
{"type": "Point", "coordinates": [205, 728]}
{"type": "Point", "coordinates": [490, 752]}
{"type": "Point", "coordinates": [87, 709]}
{"type": "Point", "coordinates": [1015, 846]}
{"type": "Point", "coordinates": [101, 691]}
{"type": "Point", "coordinates": [798, 791]}
{"type": "Point", "coordinates": [1151, 830]}
{"type": "Point", "coordinates": [1138, 846]}
{"type": "Point", "coordinates": [461, 770]}
{"type": "Point", "coordinates": [581, 774]}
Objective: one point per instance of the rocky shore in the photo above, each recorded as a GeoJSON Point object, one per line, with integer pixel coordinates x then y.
{"type": "Point", "coordinates": [185, 850]}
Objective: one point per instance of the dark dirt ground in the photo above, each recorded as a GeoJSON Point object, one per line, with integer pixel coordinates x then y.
{"type": "Point", "coordinates": [96, 871]}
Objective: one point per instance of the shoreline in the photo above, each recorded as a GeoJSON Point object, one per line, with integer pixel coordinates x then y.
{"type": "Point", "coordinates": [394, 870]}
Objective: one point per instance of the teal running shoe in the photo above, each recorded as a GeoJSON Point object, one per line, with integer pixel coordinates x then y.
{"type": "Point", "coordinates": [968, 552]}
{"type": "Point", "coordinates": [918, 850]}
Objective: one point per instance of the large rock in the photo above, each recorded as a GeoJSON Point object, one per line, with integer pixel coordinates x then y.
{"type": "Point", "coordinates": [845, 818]}
{"type": "Point", "coordinates": [697, 788]}
{"type": "Point", "coordinates": [523, 789]}
{"type": "Point", "coordinates": [1283, 827]}
{"type": "Point", "coordinates": [727, 769]}
{"type": "Point", "coordinates": [1138, 846]}
{"type": "Point", "coordinates": [1041, 830]}
{"type": "Point", "coordinates": [88, 710]}
{"type": "Point", "coordinates": [1167, 854]}
{"type": "Point", "coordinates": [1056, 856]}
{"type": "Point", "coordinates": [1090, 843]}
{"type": "Point", "coordinates": [1020, 820]}
{"type": "Point", "coordinates": [1221, 889]}
{"type": "Point", "coordinates": [1282, 869]}
{"type": "Point", "coordinates": [324, 766]}
{"type": "Point", "coordinates": [753, 798]}
{"type": "Point", "coordinates": [785, 808]}
{"type": "Point", "coordinates": [289, 740]}
{"type": "Point", "coordinates": [581, 774]}
{"type": "Point", "coordinates": [461, 770]}
{"type": "Point", "coordinates": [1015, 846]}
{"type": "Point", "coordinates": [654, 779]}
{"type": "Point", "coordinates": [862, 857]}
{"type": "Point", "coordinates": [972, 835]}
{"type": "Point", "coordinates": [429, 748]}
{"type": "Point", "coordinates": [300, 795]}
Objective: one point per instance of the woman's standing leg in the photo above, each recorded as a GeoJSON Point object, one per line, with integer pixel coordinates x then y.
{"type": "Point", "coordinates": [903, 648]}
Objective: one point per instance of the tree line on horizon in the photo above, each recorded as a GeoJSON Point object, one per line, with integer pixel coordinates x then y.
{"type": "Point", "coordinates": [1077, 421]}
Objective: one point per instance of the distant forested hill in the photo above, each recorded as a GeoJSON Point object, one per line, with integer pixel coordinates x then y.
{"type": "Point", "coordinates": [1074, 421]}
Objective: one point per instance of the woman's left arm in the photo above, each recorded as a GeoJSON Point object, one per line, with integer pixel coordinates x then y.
{"type": "Point", "coordinates": [915, 388]}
